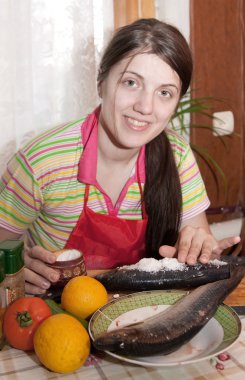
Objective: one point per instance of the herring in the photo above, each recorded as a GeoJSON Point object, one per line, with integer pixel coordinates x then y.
{"type": "Point", "coordinates": [186, 276]}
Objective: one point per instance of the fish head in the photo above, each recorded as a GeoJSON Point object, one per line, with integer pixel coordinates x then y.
{"type": "Point", "coordinates": [115, 341]}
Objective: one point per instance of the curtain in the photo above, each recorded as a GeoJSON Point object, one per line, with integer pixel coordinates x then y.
{"type": "Point", "coordinates": [49, 53]}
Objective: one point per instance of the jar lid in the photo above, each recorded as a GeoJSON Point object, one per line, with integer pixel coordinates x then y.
{"type": "Point", "coordinates": [13, 258]}
{"type": "Point", "coordinates": [2, 271]}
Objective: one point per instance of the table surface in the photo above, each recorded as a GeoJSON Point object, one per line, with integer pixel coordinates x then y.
{"type": "Point", "coordinates": [20, 365]}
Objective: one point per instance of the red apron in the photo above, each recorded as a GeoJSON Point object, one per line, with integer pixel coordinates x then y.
{"type": "Point", "coordinates": [106, 240]}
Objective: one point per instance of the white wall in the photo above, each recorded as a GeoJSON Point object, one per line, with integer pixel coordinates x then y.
{"type": "Point", "coordinates": [175, 12]}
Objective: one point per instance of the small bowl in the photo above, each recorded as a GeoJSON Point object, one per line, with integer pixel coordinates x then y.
{"type": "Point", "coordinates": [68, 269]}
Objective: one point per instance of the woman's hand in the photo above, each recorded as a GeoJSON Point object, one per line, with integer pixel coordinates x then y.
{"type": "Point", "coordinates": [196, 244]}
{"type": "Point", "coordinates": [37, 273]}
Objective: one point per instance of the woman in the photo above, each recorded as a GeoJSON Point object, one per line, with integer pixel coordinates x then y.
{"type": "Point", "coordinates": [119, 185]}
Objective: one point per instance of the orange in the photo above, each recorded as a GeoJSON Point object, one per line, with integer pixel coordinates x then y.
{"type": "Point", "coordinates": [61, 343]}
{"type": "Point", "coordinates": [83, 295]}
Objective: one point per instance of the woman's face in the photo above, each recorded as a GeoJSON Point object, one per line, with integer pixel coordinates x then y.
{"type": "Point", "coordinates": [137, 106]}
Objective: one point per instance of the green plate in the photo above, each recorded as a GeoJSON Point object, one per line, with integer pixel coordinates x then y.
{"type": "Point", "coordinates": [219, 334]}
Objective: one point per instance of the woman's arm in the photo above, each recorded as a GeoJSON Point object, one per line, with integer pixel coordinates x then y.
{"type": "Point", "coordinates": [8, 235]}
{"type": "Point", "coordinates": [196, 242]}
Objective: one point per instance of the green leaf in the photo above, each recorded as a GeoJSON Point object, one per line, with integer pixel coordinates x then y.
{"type": "Point", "coordinates": [202, 106]}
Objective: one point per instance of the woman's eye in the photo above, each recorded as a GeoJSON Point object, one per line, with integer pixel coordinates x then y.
{"type": "Point", "coordinates": [130, 82]}
{"type": "Point", "coordinates": [165, 94]}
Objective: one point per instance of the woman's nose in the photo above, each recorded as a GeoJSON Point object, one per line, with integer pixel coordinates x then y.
{"type": "Point", "coordinates": [144, 103]}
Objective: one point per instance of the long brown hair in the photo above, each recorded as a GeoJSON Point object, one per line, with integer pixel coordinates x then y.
{"type": "Point", "coordinates": [162, 191]}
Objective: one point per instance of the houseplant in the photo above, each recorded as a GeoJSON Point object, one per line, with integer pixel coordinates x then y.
{"type": "Point", "coordinates": [182, 123]}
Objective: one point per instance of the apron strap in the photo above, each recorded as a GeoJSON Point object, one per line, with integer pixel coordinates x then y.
{"type": "Point", "coordinates": [86, 195]}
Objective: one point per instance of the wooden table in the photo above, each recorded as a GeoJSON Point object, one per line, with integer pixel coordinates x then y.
{"type": "Point", "coordinates": [237, 297]}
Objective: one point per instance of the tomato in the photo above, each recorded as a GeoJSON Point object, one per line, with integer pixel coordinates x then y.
{"type": "Point", "coordinates": [21, 320]}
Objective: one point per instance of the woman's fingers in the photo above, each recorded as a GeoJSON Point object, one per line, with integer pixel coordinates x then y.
{"type": "Point", "coordinates": [196, 244]}
{"type": "Point", "coordinates": [38, 274]}
{"type": "Point", "coordinates": [41, 269]}
{"type": "Point", "coordinates": [188, 247]}
{"type": "Point", "coordinates": [35, 284]}
{"type": "Point", "coordinates": [41, 254]}
{"type": "Point", "coordinates": [167, 251]}
{"type": "Point", "coordinates": [207, 250]}
{"type": "Point", "coordinates": [226, 243]}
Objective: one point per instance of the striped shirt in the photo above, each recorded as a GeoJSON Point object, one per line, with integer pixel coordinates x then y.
{"type": "Point", "coordinates": [42, 189]}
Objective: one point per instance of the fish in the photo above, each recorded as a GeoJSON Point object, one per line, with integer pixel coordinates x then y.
{"type": "Point", "coordinates": [170, 329]}
{"type": "Point", "coordinates": [125, 279]}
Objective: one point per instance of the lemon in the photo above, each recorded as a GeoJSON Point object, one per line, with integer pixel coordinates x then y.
{"type": "Point", "coordinates": [61, 343]}
{"type": "Point", "coordinates": [83, 295]}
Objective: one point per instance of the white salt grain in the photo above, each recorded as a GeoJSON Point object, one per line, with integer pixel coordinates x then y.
{"type": "Point", "coordinates": [146, 265]}
{"type": "Point", "coordinates": [172, 264]}
{"type": "Point", "coordinates": [217, 262]}
{"type": "Point", "coordinates": [69, 254]}
{"type": "Point", "coordinates": [153, 265]}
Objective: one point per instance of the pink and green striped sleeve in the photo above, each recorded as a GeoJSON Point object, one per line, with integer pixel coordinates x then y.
{"type": "Point", "coordinates": [194, 195]}
{"type": "Point", "coordinates": [21, 198]}
{"type": "Point", "coordinates": [39, 191]}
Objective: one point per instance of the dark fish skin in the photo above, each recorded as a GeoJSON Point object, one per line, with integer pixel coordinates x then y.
{"type": "Point", "coordinates": [194, 275]}
{"type": "Point", "coordinates": [175, 326]}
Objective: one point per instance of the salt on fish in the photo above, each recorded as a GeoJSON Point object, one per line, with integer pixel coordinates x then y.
{"type": "Point", "coordinates": [167, 263]}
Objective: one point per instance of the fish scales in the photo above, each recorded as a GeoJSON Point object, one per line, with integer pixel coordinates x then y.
{"type": "Point", "coordinates": [175, 326]}
{"type": "Point", "coordinates": [121, 279]}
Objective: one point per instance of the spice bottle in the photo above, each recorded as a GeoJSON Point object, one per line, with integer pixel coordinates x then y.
{"type": "Point", "coordinates": [2, 298]}
{"type": "Point", "coordinates": [14, 282]}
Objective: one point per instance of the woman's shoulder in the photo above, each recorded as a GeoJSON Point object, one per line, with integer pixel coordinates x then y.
{"type": "Point", "coordinates": [178, 143]}
{"type": "Point", "coordinates": [54, 138]}
{"type": "Point", "coordinates": [53, 148]}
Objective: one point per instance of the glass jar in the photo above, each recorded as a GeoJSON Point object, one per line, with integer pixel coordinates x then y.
{"type": "Point", "coordinates": [14, 282]}
{"type": "Point", "coordinates": [2, 298]}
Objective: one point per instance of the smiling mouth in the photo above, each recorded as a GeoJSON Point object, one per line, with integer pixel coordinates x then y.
{"type": "Point", "coordinates": [136, 124]}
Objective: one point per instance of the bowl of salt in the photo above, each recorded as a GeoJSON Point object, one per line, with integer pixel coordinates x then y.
{"type": "Point", "coordinates": [69, 263]}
